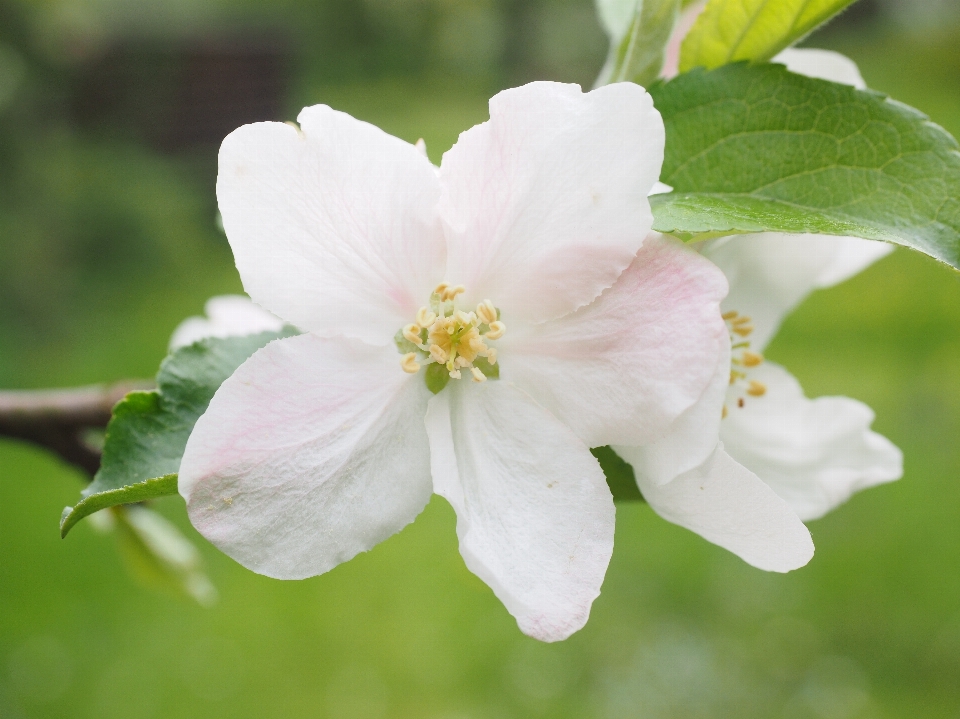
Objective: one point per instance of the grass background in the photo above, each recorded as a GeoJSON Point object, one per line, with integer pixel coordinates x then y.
{"type": "Point", "coordinates": [871, 628]}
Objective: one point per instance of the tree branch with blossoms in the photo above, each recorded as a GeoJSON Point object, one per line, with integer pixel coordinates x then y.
{"type": "Point", "coordinates": [572, 308]}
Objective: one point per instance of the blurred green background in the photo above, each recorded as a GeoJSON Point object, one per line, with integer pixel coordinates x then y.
{"type": "Point", "coordinates": [110, 115]}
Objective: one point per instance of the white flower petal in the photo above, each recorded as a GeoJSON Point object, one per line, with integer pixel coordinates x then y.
{"type": "Point", "coordinates": [728, 505]}
{"type": "Point", "coordinates": [227, 316]}
{"type": "Point", "coordinates": [334, 227]}
{"type": "Point", "coordinates": [822, 64]}
{"type": "Point", "coordinates": [813, 453]}
{"type": "Point", "coordinates": [545, 203]}
{"type": "Point", "coordinates": [534, 515]}
{"type": "Point", "coordinates": [692, 437]}
{"type": "Point", "coordinates": [771, 273]}
{"type": "Point", "coordinates": [313, 451]}
{"type": "Point", "coordinates": [623, 368]}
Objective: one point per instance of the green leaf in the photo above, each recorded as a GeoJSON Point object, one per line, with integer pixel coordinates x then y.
{"type": "Point", "coordinates": [637, 54]}
{"type": "Point", "coordinates": [139, 492]}
{"type": "Point", "coordinates": [436, 376]}
{"type": "Point", "coordinates": [619, 474]}
{"type": "Point", "coordinates": [148, 432]}
{"type": "Point", "coordinates": [753, 148]}
{"type": "Point", "coordinates": [756, 30]}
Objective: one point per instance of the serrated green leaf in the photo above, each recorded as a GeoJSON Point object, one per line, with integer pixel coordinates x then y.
{"type": "Point", "coordinates": [637, 52]}
{"type": "Point", "coordinates": [755, 30]}
{"type": "Point", "coordinates": [148, 432]}
{"type": "Point", "coordinates": [752, 148]}
{"type": "Point", "coordinates": [619, 474]}
{"type": "Point", "coordinates": [436, 376]}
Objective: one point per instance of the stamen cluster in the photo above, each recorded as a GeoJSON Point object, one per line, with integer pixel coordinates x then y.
{"type": "Point", "coordinates": [743, 358]}
{"type": "Point", "coordinates": [452, 338]}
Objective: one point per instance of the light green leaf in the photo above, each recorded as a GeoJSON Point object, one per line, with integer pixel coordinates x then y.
{"type": "Point", "coordinates": [148, 432]}
{"type": "Point", "coordinates": [756, 30]}
{"type": "Point", "coordinates": [637, 53]}
{"type": "Point", "coordinates": [436, 376]}
{"type": "Point", "coordinates": [754, 147]}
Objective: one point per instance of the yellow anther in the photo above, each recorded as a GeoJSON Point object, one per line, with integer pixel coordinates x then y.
{"type": "Point", "coordinates": [437, 354]}
{"type": "Point", "coordinates": [409, 363]}
{"type": "Point", "coordinates": [412, 334]}
{"type": "Point", "coordinates": [756, 389]}
{"type": "Point", "coordinates": [425, 317]}
{"type": "Point", "coordinates": [450, 293]}
{"type": "Point", "coordinates": [729, 315]}
{"type": "Point", "coordinates": [487, 312]}
{"type": "Point", "coordinates": [453, 338]}
{"type": "Point", "coordinates": [723, 415]}
{"type": "Point", "coordinates": [497, 328]}
{"type": "Point", "coordinates": [742, 320]}
{"type": "Point", "coordinates": [751, 359]}
{"type": "Point", "coordinates": [743, 331]}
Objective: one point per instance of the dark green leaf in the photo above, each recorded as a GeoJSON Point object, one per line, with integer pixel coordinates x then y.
{"type": "Point", "coordinates": [620, 477]}
{"type": "Point", "coordinates": [148, 431]}
{"type": "Point", "coordinates": [755, 147]}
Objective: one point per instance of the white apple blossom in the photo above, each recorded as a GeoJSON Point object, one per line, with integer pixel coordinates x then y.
{"type": "Point", "coordinates": [525, 257]}
{"type": "Point", "coordinates": [813, 453]}
{"type": "Point", "coordinates": [226, 316]}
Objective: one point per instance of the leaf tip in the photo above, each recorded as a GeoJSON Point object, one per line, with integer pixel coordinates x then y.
{"type": "Point", "coordinates": [65, 524]}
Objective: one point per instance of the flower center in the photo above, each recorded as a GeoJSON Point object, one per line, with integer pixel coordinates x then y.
{"type": "Point", "coordinates": [450, 341]}
{"type": "Point", "coordinates": [742, 361]}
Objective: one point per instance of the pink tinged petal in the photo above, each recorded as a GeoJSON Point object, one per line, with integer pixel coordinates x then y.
{"type": "Point", "coordinates": [728, 505]}
{"type": "Point", "coordinates": [692, 437]}
{"type": "Point", "coordinates": [333, 227]}
{"type": "Point", "coordinates": [534, 515]}
{"type": "Point", "coordinates": [823, 65]}
{"type": "Point", "coordinates": [622, 369]}
{"type": "Point", "coordinates": [227, 316]}
{"type": "Point", "coordinates": [545, 203]}
{"type": "Point", "coordinates": [671, 61]}
{"type": "Point", "coordinates": [771, 273]}
{"type": "Point", "coordinates": [313, 451]}
{"type": "Point", "coordinates": [813, 453]}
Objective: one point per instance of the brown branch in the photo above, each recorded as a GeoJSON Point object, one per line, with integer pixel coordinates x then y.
{"type": "Point", "coordinates": [58, 419]}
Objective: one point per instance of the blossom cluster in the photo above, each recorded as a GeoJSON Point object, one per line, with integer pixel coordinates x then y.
{"type": "Point", "coordinates": [474, 330]}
